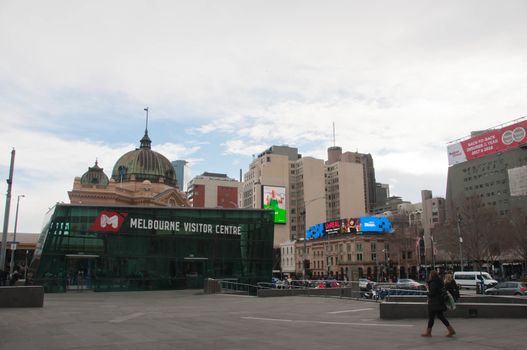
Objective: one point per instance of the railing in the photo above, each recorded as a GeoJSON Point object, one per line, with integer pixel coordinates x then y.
{"type": "Point", "coordinates": [233, 287]}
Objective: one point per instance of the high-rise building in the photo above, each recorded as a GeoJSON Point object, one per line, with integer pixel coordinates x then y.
{"type": "Point", "coordinates": [491, 166]}
{"type": "Point", "coordinates": [382, 193]}
{"type": "Point", "coordinates": [183, 175]}
{"type": "Point", "coordinates": [212, 190]}
{"type": "Point", "coordinates": [268, 176]}
{"type": "Point", "coordinates": [368, 172]}
{"type": "Point", "coordinates": [345, 186]}
{"type": "Point", "coordinates": [308, 197]}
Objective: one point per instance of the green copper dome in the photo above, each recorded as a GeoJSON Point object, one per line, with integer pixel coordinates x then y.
{"type": "Point", "coordinates": [95, 176]}
{"type": "Point", "coordinates": [144, 164]}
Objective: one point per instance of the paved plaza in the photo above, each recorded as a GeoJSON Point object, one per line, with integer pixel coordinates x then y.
{"type": "Point", "coordinates": [190, 319]}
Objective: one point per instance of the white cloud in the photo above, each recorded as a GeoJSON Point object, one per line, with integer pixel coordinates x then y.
{"type": "Point", "coordinates": [399, 79]}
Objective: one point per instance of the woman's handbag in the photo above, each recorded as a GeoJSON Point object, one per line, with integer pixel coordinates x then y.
{"type": "Point", "coordinates": [449, 300]}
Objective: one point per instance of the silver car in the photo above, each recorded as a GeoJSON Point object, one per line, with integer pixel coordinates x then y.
{"type": "Point", "coordinates": [508, 288]}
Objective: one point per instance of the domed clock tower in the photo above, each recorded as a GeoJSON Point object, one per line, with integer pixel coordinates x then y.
{"type": "Point", "coordinates": [140, 177]}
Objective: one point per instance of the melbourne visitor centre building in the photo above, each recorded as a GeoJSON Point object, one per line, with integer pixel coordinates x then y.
{"type": "Point", "coordinates": [137, 231]}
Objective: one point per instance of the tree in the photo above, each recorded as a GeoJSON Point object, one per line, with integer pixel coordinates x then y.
{"type": "Point", "coordinates": [484, 233]}
{"type": "Point", "coordinates": [517, 226]}
{"type": "Point", "coordinates": [403, 243]}
{"type": "Point", "coordinates": [446, 239]}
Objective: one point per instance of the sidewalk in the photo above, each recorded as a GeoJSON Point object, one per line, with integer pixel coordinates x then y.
{"type": "Point", "coordinates": [190, 320]}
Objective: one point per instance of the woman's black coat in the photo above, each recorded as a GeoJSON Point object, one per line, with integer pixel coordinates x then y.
{"type": "Point", "coordinates": [453, 288]}
{"type": "Point", "coordinates": [435, 295]}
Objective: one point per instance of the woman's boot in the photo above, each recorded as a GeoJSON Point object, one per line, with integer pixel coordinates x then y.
{"type": "Point", "coordinates": [451, 331]}
{"type": "Point", "coordinates": [427, 333]}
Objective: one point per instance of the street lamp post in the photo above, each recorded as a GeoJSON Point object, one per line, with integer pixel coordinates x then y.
{"type": "Point", "coordinates": [303, 213]}
{"type": "Point", "coordinates": [460, 242]}
{"type": "Point", "coordinates": [385, 272]}
{"type": "Point", "coordinates": [433, 253]}
{"type": "Point", "coordinates": [13, 251]}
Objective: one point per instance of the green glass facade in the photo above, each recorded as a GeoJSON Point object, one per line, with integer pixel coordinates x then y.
{"type": "Point", "coordinates": [145, 248]}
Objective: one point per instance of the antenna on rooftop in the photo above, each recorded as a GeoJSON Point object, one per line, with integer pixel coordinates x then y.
{"type": "Point", "coordinates": [334, 134]}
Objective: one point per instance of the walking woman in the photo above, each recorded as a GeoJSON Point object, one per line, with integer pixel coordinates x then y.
{"type": "Point", "coordinates": [436, 304]}
{"type": "Point", "coordinates": [451, 286]}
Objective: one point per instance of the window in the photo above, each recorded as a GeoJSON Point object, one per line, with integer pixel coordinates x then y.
{"type": "Point", "coordinates": [359, 256]}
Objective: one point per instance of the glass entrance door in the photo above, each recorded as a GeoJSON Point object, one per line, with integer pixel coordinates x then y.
{"type": "Point", "coordinates": [80, 272]}
{"type": "Point", "coordinates": [194, 273]}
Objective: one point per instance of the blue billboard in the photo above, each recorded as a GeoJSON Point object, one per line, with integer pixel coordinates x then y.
{"type": "Point", "coordinates": [375, 224]}
{"type": "Point", "coordinates": [364, 224]}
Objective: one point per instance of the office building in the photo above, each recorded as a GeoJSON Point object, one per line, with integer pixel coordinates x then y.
{"type": "Point", "coordinates": [382, 193]}
{"type": "Point", "coordinates": [183, 175]}
{"type": "Point", "coordinates": [368, 172]}
{"type": "Point", "coordinates": [213, 190]}
{"type": "Point", "coordinates": [491, 166]}
{"type": "Point", "coordinates": [345, 186]}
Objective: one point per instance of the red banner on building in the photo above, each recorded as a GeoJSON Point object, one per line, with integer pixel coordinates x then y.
{"type": "Point", "coordinates": [490, 142]}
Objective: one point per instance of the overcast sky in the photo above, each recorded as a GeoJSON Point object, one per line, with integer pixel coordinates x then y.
{"type": "Point", "coordinates": [227, 79]}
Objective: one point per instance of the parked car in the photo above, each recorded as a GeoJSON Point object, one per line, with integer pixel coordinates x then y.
{"type": "Point", "coordinates": [363, 283]}
{"type": "Point", "coordinates": [408, 283]}
{"type": "Point", "coordinates": [469, 279]}
{"type": "Point", "coordinates": [508, 288]}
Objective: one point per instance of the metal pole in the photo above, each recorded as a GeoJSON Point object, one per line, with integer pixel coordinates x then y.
{"type": "Point", "coordinates": [6, 215]}
{"type": "Point", "coordinates": [13, 251]}
{"type": "Point", "coordinates": [460, 242]}
{"type": "Point", "coordinates": [305, 258]}
{"type": "Point", "coordinates": [25, 270]}
{"type": "Point", "coordinates": [433, 254]}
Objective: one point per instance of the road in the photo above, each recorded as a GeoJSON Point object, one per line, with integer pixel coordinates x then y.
{"type": "Point", "coordinates": [191, 320]}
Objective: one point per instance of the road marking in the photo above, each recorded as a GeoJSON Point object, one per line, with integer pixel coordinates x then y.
{"type": "Point", "coordinates": [330, 323]}
{"type": "Point", "coordinates": [127, 317]}
{"type": "Point", "coordinates": [343, 311]}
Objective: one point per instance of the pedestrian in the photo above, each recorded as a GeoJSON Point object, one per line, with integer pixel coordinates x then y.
{"type": "Point", "coordinates": [3, 277]}
{"type": "Point", "coordinates": [14, 277]}
{"type": "Point", "coordinates": [436, 304]}
{"type": "Point", "coordinates": [451, 286]}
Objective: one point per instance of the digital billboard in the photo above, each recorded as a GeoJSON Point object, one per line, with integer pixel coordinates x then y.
{"type": "Point", "coordinates": [273, 197]}
{"type": "Point", "coordinates": [487, 143]}
{"type": "Point", "coordinates": [364, 224]}
{"type": "Point", "coordinates": [375, 224]}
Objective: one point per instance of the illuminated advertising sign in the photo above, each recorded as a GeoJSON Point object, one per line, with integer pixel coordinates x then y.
{"type": "Point", "coordinates": [487, 143]}
{"type": "Point", "coordinates": [375, 224]}
{"type": "Point", "coordinates": [274, 198]}
{"type": "Point", "coordinates": [364, 224]}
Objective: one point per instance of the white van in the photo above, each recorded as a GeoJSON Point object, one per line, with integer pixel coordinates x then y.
{"type": "Point", "coordinates": [469, 279]}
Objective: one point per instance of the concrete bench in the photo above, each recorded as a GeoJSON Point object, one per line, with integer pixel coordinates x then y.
{"type": "Point", "coordinates": [331, 292]}
{"type": "Point", "coordinates": [498, 299]}
{"type": "Point", "coordinates": [399, 310]}
{"type": "Point", "coordinates": [22, 296]}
